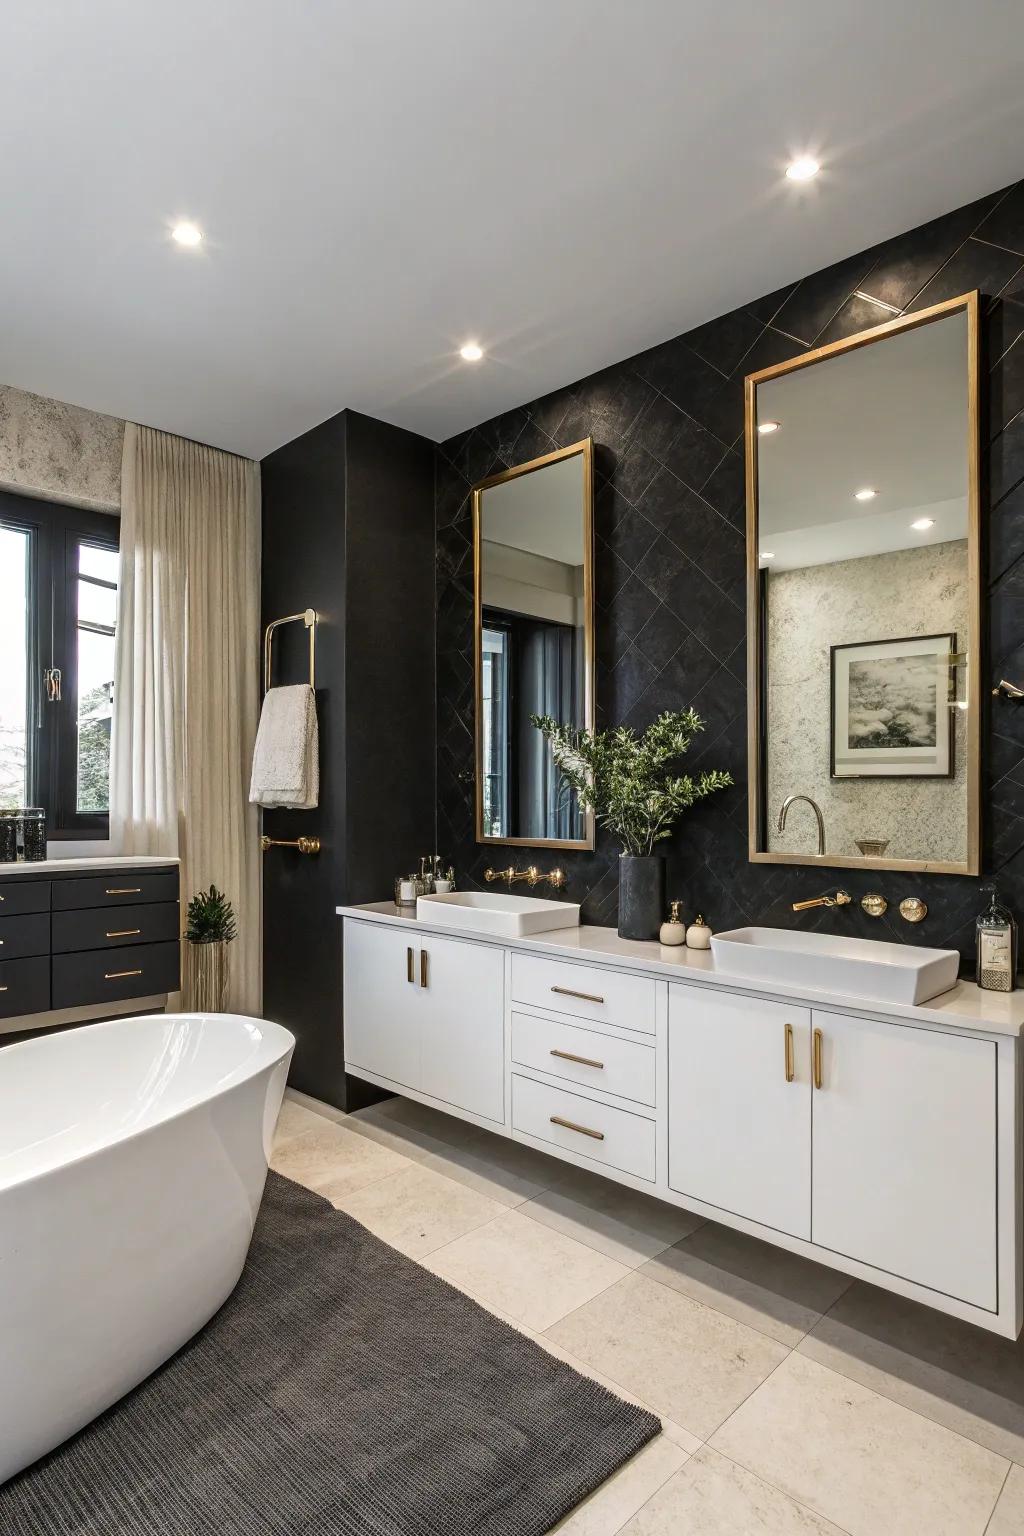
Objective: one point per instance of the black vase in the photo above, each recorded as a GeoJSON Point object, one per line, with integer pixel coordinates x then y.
{"type": "Point", "coordinates": [641, 895]}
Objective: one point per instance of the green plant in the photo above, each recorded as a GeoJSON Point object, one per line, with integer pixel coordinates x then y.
{"type": "Point", "coordinates": [210, 918]}
{"type": "Point", "coordinates": [631, 782]}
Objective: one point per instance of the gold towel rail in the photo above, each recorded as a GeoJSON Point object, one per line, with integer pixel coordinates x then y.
{"type": "Point", "coordinates": [303, 844]}
{"type": "Point", "coordinates": [309, 618]}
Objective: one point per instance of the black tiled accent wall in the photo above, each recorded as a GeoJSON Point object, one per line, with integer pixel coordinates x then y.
{"type": "Point", "coordinates": [668, 429]}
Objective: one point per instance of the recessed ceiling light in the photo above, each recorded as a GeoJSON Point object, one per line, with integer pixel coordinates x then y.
{"type": "Point", "coordinates": [923, 523]}
{"type": "Point", "coordinates": [471, 353]}
{"type": "Point", "coordinates": [803, 168]}
{"type": "Point", "coordinates": [867, 494]}
{"type": "Point", "coordinates": [187, 234]}
{"type": "Point", "coordinates": [764, 427]}
{"type": "Point", "coordinates": [766, 554]}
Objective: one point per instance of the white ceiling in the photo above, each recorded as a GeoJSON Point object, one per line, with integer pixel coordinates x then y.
{"type": "Point", "coordinates": [381, 179]}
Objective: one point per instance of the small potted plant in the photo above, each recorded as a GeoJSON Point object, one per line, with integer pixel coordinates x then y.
{"type": "Point", "coordinates": [211, 928]}
{"type": "Point", "coordinates": [634, 788]}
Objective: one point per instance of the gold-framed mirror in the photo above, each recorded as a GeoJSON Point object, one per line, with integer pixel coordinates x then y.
{"type": "Point", "coordinates": [533, 585]}
{"type": "Point", "coordinates": [864, 599]}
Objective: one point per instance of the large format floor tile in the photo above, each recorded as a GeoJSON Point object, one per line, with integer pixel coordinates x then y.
{"type": "Point", "coordinates": [871, 1466]}
{"type": "Point", "coordinates": [611, 1505]}
{"type": "Point", "coordinates": [334, 1160]}
{"type": "Point", "coordinates": [294, 1119]}
{"type": "Point", "coordinates": [618, 1221]}
{"type": "Point", "coordinates": [526, 1270]}
{"type": "Point", "coordinates": [952, 1372]}
{"type": "Point", "coordinates": [1008, 1519]}
{"type": "Point", "coordinates": [712, 1496]}
{"type": "Point", "coordinates": [418, 1210]}
{"type": "Point", "coordinates": [690, 1363]}
{"type": "Point", "coordinates": [777, 1292]}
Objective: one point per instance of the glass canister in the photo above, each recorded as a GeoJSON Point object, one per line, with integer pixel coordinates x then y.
{"type": "Point", "coordinates": [33, 834]}
{"type": "Point", "coordinates": [9, 836]}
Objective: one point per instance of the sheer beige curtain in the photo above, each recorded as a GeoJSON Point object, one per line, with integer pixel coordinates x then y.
{"type": "Point", "coordinates": [186, 695]}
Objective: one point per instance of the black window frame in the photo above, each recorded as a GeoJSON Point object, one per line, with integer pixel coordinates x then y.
{"type": "Point", "coordinates": [55, 533]}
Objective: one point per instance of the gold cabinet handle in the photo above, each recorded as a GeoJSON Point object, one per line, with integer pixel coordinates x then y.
{"type": "Point", "coordinates": [581, 1130]}
{"type": "Point", "coordinates": [410, 965]}
{"type": "Point", "coordinates": [124, 890]}
{"type": "Point", "coordinates": [123, 933]}
{"type": "Point", "coordinates": [583, 1061]}
{"type": "Point", "coordinates": [817, 1058]}
{"type": "Point", "coordinates": [423, 968]}
{"type": "Point", "coordinates": [588, 997]}
{"type": "Point", "coordinates": [116, 975]}
{"type": "Point", "coordinates": [790, 1068]}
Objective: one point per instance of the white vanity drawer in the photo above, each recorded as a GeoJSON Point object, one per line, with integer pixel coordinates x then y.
{"type": "Point", "coordinates": [607, 1062]}
{"type": "Point", "coordinates": [586, 991]}
{"type": "Point", "coordinates": [595, 1131]}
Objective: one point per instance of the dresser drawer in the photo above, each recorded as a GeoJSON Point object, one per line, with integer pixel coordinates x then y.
{"type": "Point", "coordinates": [89, 928]}
{"type": "Point", "coordinates": [119, 887]}
{"type": "Point", "coordinates": [99, 976]}
{"type": "Point", "coordinates": [27, 935]}
{"type": "Point", "coordinates": [586, 991]}
{"type": "Point", "coordinates": [23, 895]}
{"type": "Point", "coordinates": [622, 1067]}
{"type": "Point", "coordinates": [24, 986]}
{"type": "Point", "coordinates": [596, 1131]}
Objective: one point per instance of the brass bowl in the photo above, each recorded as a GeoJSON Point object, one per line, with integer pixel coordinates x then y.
{"type": "Point", "coordinates": [872, 847]}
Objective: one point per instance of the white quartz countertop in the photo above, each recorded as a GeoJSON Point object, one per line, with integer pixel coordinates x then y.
{"type": "Point", "coordinates": [101, 861]}
{"type": "Point", "coordinates": [965, 1006]}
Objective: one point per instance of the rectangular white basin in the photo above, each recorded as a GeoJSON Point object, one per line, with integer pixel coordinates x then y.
{"type": "Point", "coordinates": [868, 968]}
{"type": "Point", "coordinates": [494, 912]}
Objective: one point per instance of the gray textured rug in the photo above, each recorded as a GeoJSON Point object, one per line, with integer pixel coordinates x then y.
{"type": "Point", "coordinates": [341, 1391]}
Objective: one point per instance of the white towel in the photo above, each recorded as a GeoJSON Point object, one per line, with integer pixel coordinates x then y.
{"type": "Point", "coordinates": [285, 763]}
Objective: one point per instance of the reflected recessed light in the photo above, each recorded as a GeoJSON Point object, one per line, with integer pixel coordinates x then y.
{"type": "Point", "coordinates": [923, 523]}
{"type": "Point", "coordinates": [867, 494]}
{"type": "Point", "coordinates": [803, 168]}
{"type": "Point", "coordinates": [766, 554]}
{"type": "Point", "coordinates": [471, 353]}
{"type": "Point", "coordinates": [187, 234]}
{"type": "Point", "coordinates": [764, 427]}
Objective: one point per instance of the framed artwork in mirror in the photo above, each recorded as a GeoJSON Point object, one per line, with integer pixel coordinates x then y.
{"type": "Point", "coordinates": [890, 708]}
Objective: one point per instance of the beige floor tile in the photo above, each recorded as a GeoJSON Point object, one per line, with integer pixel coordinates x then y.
{"type": "Point", "coordinates": [1008, 1519]}
{"type": "Point", "coordinates": [417, 1210]}
{"type": "Point", "coordinates": [621, 1222]}
{"type": "Point", "coordinates": [611, 1505]}
{"type": "Point", "coordinates": [333, 1160]}
{"type": "Point", "coordinates": [688, 1362]}
{"type": "Point", "coordinates": [712, 1496]}
{"type": "Point", "coordinates": [779, 1293]}
{"type": "Point", "coordinates": [868, 1464]}
{"type": "Point", "coordinates": [952, 1372]}
{"type": "Point", "coordinates": [293, 1120]}
{"type": "Point", "coordinates": [527, 1271]}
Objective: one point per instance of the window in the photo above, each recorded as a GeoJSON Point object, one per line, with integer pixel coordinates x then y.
{"type": "Point", "coordinates": [58, 618]}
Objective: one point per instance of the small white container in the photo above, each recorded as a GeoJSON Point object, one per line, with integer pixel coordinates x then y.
{"type": "Point", "coordinates": [698, 935]}
{"type": "Point", "coordinates": [674, 931]}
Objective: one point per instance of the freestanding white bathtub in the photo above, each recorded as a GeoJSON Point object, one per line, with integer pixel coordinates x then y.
{"type": "Point", "coordinates": [133, 1156]}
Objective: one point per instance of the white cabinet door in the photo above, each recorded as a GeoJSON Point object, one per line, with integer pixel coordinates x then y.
{"type": "Point", "coordinates": [462, 1024]}
{"type": "Point", "coordinates": [381, 986]}
{"type": "Point", "coordinates": [904, 1149]}
{"type": "Point", "coordinates": [739, 1128]}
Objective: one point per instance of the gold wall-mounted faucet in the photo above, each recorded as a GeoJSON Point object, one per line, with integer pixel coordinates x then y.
{"type": "Point", "coordinates": [839, 899]}
{"type": "Point", "coordinates": [532, 875]}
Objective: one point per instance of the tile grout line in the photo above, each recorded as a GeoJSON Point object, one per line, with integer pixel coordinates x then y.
{"type": "Point", "coordinates": [818, 1514]}
{"type": "Point", "coordinates": [1002, 1490]}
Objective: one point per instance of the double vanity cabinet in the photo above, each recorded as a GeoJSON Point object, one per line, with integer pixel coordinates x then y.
{"type": "Point", "coordinates": [881, 1139]}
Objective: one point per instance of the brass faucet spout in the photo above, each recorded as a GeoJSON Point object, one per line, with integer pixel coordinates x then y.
{"type": "Point", "coordinates": [840, 899]}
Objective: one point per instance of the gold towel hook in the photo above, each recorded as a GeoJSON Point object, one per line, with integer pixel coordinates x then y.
{"type": "Point", "coordinates": [309, 618]}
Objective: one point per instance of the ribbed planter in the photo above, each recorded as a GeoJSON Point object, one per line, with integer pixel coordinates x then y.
{"type": "Point", "coordinates": [206, 974]}
{"type": "Point", "coordinates": [641, 895]}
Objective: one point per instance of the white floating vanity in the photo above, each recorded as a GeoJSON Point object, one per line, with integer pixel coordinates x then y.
{"type": "Point", "coordinates": [881, 1138]}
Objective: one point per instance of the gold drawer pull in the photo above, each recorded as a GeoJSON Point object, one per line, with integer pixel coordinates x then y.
{"type": "Point", "coordinates": [790, 1069]}
{"type": "Point", "coordinates": [817, 1058]}
{"type": "Point", "coordinates": [124, 890]}
{"type": "Point", "coordinates": [423, 968]}
{"type": "Point", "coordinates": [410, 967]}
{"type": "Point", "coordinates": [581, 1130]}
{"type": "Point", "coordinates": [583, 1061]}
{"type": "Point", "coordinates": [123, 933]}
{"type": "Point", "coordinates": [588, 997]}
{"type": "Point", "coordinates": [116, 975]}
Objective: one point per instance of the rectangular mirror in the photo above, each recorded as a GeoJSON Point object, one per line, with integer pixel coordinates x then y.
{"type": "Point", "coordinates": [534, 600]}
{"type": "Point", "coordinates": [864, 600]}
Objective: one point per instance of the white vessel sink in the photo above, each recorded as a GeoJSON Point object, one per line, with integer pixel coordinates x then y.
{"type": "Point", "coordinates": [493, 912]}
{"type": "Point", "coordinates": [869, 968]}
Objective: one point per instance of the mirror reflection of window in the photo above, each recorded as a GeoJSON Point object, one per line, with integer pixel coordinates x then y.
{"type": "Point", "coordinates": [533, 651]}
{"type": "Point", "coordinates": [863, 522]}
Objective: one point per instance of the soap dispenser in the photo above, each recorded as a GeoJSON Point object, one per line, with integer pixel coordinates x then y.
{"type": "Point", "coordinates": [996, 932]}
{"type": "Point", "coordinates": [674, 931]}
